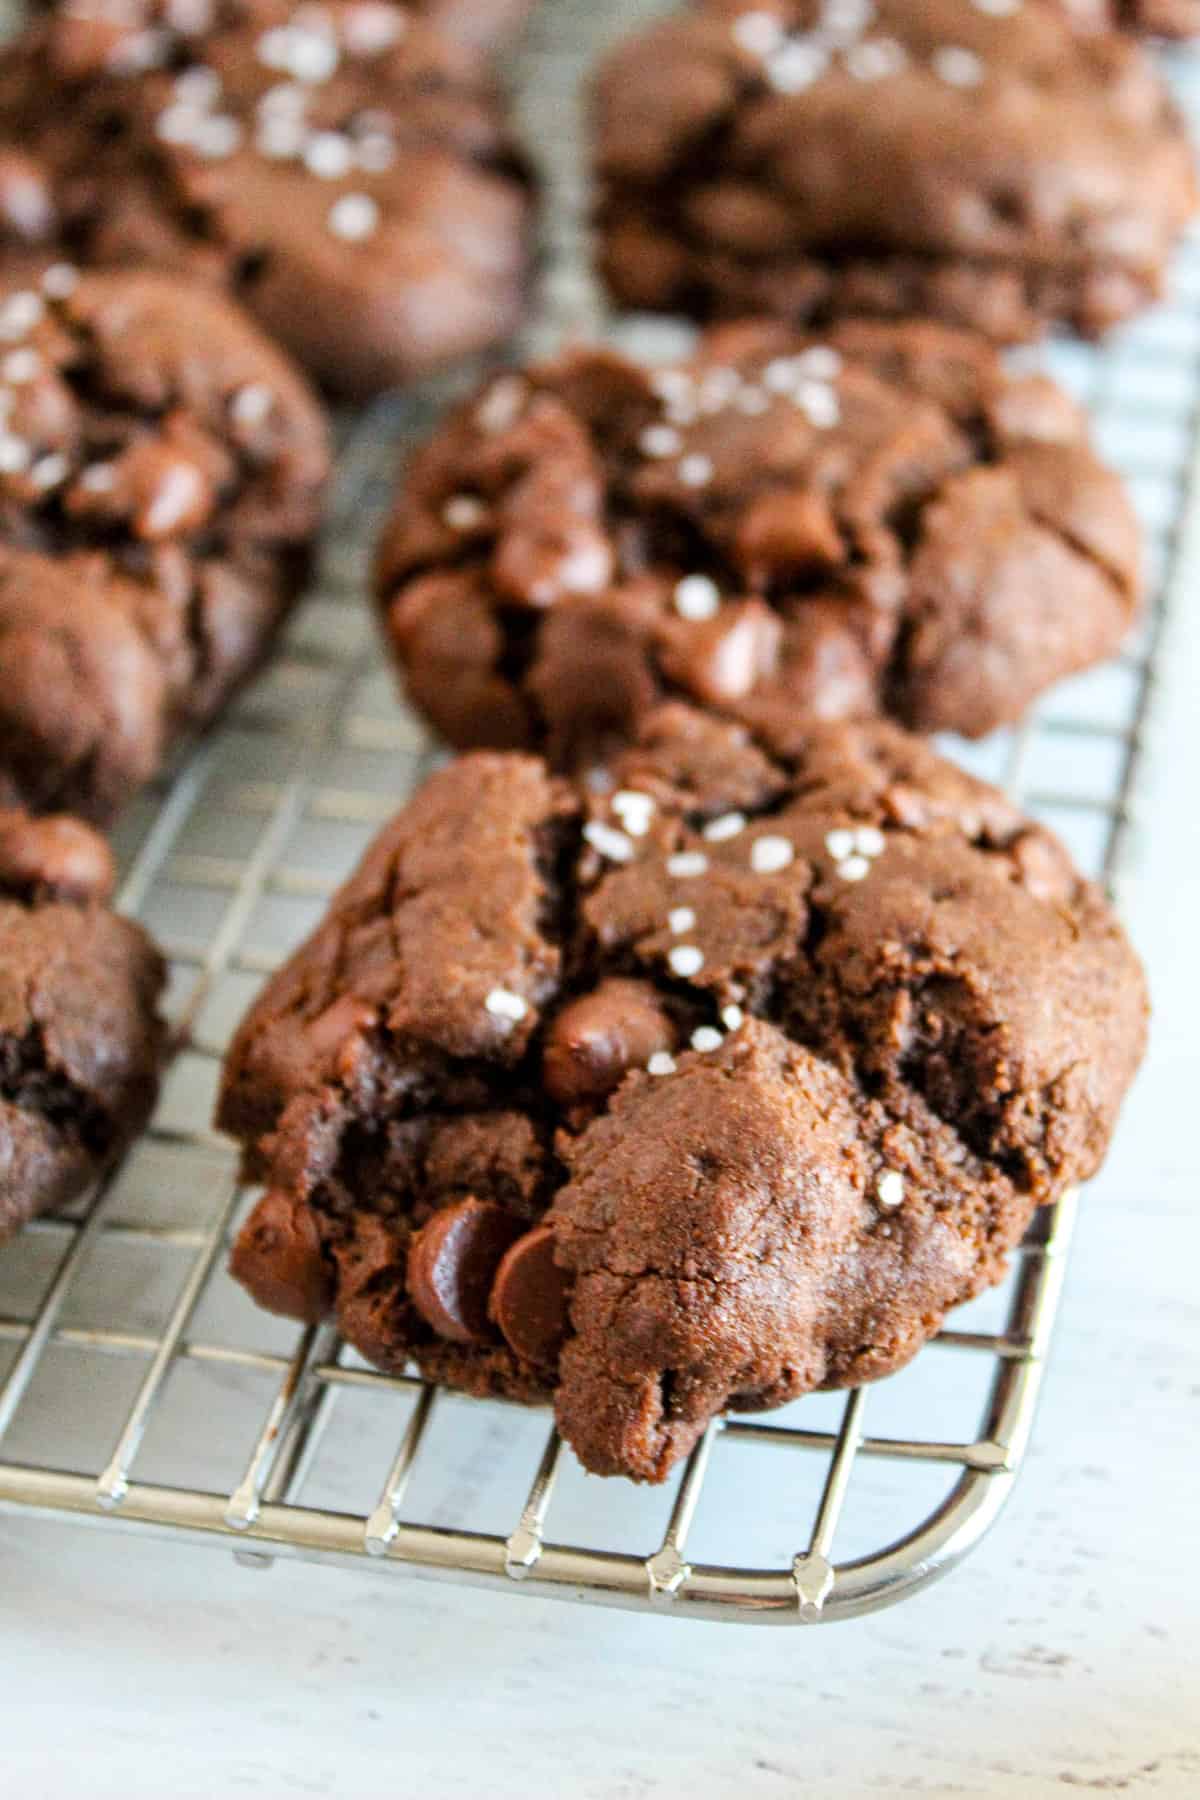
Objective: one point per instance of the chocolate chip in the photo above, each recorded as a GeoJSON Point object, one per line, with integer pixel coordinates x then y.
{"type": "Point", "coordinates": [788, 532]}
{"type": "Point", "coordinates": [452, 1262]}
{"type": "Point", "coordinates": [278, 1257]}
{"type": "Point", "coordinates": [596, 1040]}
{"type": "Point", "coordinates": [529, 1297]}
{"type": "Point", "coordinates": [56, 858]}
{"type": "Point", "coordinates": [723, 658]}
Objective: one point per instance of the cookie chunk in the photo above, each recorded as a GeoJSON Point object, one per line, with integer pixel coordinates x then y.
{"type": "Point", "coordinates": [161, 470]}
{"type": "Point", "coordinates": [80, 1038]}
{"type": "Point", "coordinates": [696, 1093]}
{"type": "Point", "coordinates": [986, 164]}
{"type": "Point", "coordinates": [876, 520]}
{"type": "Point", "coordinates": [347, 172]}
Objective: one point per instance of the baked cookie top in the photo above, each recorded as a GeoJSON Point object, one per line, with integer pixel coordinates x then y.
{"type": "Point", "coordinates": [878, 519]}
{"type": "Point", "coordinates": [977, 159]}
{"type": "Point", "coordinates": [346, 170]}
{"type": "Point", "coordinates": [698, 1088]}
{"type": "Point", "coordinates": [161, 473]}
{"type": "Point", "coordinates": [80, 1037]}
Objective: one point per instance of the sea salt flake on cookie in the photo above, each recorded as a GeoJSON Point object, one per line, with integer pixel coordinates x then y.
{"type": "Point", "coordinates": [770, 854]}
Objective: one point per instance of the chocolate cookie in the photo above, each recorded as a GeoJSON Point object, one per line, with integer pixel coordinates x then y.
{"type": "Point", "coordinates": [488, 24]}
{"type": "Point", "coordinates": [880, 519]}
{"type": "Point", "coordinates": [161, 470]}
{"type": "Point", "coordinates": [978, 161]}
{"type": "Point", "coordinates": [80, 1038]}
{"type": "Point", "coordinates": [717, 1086]}
{"type": "Point", "coordinates": [346, 171]}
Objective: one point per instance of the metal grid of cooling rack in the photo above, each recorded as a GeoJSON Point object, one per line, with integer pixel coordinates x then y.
{"type": "Point", "coordinates": [139, 1387]}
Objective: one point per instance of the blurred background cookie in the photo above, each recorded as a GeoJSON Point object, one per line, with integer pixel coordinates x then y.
{"type": "Point", "coordinates": [982, 163]}
{"type": "Point", "coordinates": [161, 474]}
{"type": "Point", "coordinates": [779, 528]}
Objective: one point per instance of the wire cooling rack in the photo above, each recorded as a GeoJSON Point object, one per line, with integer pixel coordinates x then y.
{"type": "Point", "coordinates": [140, 1387]}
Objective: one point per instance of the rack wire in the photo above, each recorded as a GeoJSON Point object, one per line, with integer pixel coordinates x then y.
{"type": "Point", "coordinates": [139, 1388]}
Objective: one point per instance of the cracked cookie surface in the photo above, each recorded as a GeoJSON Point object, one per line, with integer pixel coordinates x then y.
{"type": "Point", "coordinates": [698, 1092]}
{"type": "Point", "coordinates": [876, 520]}
{"type": "Point", "coordinates": [161, 473]}
{"type": "Point", "coordinates": [987, 164]}
{"type": "Point", "coordinates": [80, 1037]}
{"type": "Point", "coordinates": [345, 171]}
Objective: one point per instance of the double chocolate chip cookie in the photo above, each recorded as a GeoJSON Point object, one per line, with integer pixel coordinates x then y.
{"type": "Point", "coordinates": [345, 170]}
{"type": "Point", "coordinates": [698, 1092]}
{"type": "Point", "coordinates": [161, 471]}
{"type": "Point", "coordinates": [978, 161]}
{"type": "Point", "coordinates": [875, 520]}
{"type": "Point", "coordinates": [80, 1037]}
{"type": "Point", "coordinates": [1151, 18]}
